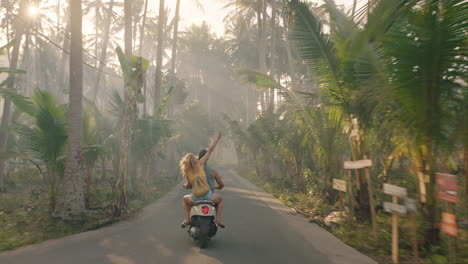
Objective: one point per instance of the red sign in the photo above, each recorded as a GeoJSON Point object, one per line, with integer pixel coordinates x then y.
{"type": "Point", "coordinates": [449, 224]}
{"type": "Point", "coordinates": [448, 187]}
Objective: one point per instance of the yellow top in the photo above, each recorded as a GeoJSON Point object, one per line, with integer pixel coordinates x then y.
{"type": "Point", "coordinates": [192, 176]}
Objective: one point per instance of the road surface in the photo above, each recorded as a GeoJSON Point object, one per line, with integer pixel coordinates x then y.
{"type": "Point", "coordinates": [259, 229]}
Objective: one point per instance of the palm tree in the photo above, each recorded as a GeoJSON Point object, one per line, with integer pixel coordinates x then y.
{"type": "Point", "coordinates": [70, 202]}
{"type": "Point", "coordinates": [427, 48]}
{"type": "Point", "coordinates": [42, 135]}
{"type": "Point", "coordinates": [335, 58]}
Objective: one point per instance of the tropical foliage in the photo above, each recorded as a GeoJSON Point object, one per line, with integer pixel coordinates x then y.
{"type": "Point", "coordinates": [301, 86]}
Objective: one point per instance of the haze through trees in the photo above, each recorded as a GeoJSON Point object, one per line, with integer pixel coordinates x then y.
{"type": "Point", "coordinates": [301, 87]}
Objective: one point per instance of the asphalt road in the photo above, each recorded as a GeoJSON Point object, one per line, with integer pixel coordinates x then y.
{"type": "Point", "coordinates": [259, 229]}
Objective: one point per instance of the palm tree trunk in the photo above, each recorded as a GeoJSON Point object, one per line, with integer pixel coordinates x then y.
{"type": "Point", "coordinates": [354, 9]}
{"type": "Point", "coordinates": [261, 17]}
{"type": "Point", "coordinates": [121, 201]}
{"type": "Point", "coordinates": [291, 67]}
{"type": "Point", "coordinates": [170, 109]}
{"type": "Point", "coordinates": [159, 57]}
{"type": "Point", "coordinates": [298, 177]}
{"type": "Point", "coordinates": [140, 50]}
{"type": "Point", "coordinates": [89, 175]}
{"type": "Point", "coordinates": [4, 126]}
{"type": "Point", "coordinates": [142, 28]}
{"type": "Point", "coordinates": [70, 203]}
{"type": "Point", "coordinates": [146, 176]}
{"type": "Point", "coordinates": [128, 27]}
{"type": "Point", "coordinates": [175, 35]}
{"type": "Point", "coordinates": [273, 49]}
{"type": "Point", "coordinates": [62, 66]}
{"type": "Point", "coordinates": [103, 56]}
{"type": "Point", "coordinates": [96, 32]}
{"type": "Point", "coordinates": [25, 62]}
{"type": "Point", "coordinates": [261, 21]}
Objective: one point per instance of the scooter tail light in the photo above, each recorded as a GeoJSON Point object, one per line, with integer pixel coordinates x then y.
{"type": "Point", "coordinates": [205, 210]}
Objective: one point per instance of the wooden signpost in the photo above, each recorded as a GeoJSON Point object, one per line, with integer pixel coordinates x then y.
{"type": "Point", "coordinates": [396, 210]}
{"type": "Point", "coordinates": [448, 191]}
{"type": "Point", "coordinates": [448, 224]}
{"type": "Point", "coordinates": [365, 164]}
{"type": "Point", "coordinates": [340, 185]}
{"type": "Point", "coordinates": [448, 187]}
{"type": "Point", "coordinates": [357, 164]}
{"type": "Point", "coordinates": [350, 196]}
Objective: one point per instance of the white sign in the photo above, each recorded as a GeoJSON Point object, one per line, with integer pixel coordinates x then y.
{"type": "Point", "coordinates": [339, 185]}
{"type": "Point", "coordinates": [410, 204]}
{"type": "Point", "coordinates": [394, 208]}
{"type": "Point", "coordinates": [394, 190]}
{"type": "Point", "coordinates": [357, 164]}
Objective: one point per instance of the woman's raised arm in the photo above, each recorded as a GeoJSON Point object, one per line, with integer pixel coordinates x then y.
{"type": "Point", "coordinates": [210, 150]}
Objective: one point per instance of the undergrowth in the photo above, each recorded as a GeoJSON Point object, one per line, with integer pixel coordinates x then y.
{"type": "Point", "coordinates": [25, 217]}
{"type": "Point", "coordinates": [358, 234]}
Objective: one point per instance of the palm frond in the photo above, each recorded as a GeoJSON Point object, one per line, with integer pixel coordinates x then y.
{"type": "Point", "coordinates": [21, 102]}
{"type": "Point", "coordinates": [116, 105]}
{"type": "Point", "coordinates": [11, 71]}
{"type": "Point", "coordinates": [162, 107]}
{"type": "Point", "coordinates": [311, 41]}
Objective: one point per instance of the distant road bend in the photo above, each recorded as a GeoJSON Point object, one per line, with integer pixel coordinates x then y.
{"type": "Point", "coordinates": [259, 229]}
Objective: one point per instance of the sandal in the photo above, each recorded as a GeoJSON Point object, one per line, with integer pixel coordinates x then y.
{"type": "Point", "coordinates": [184, 224]}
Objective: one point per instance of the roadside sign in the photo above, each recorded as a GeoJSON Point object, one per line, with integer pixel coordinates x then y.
{"type": "Point", "coordinates": [357, 164]}
{"type": "Point", "coordinates": [410, 204]}
{"type": "Point", "coordinates": [448, 187]}
{"type": "Point", "coordinates": [394, 190]}
{"type": "Point", "coordinates": [449, 224]}
{"type": "Point", "coordinates": [394, 208]}
{"type": "Point", "coordinates": [339, 185]}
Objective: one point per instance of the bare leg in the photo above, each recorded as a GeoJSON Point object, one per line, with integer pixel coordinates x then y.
{"type": "Point", "coordinates": [218, 200]}
{"type": "Point", "coordinates": [186, 205]}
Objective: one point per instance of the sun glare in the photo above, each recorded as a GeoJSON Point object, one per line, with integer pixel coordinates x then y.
{"type": "Point", "coordinates": [33, 11]}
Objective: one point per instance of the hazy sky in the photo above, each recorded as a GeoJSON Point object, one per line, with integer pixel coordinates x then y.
{"type": "Point", "coordinates": [213, 11]}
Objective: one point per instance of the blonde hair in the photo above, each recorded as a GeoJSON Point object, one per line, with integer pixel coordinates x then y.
{"type": "Point", "coordinates": [188, 164]}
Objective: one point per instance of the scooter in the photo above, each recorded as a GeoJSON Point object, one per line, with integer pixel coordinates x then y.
{"type": "Point", "coordinates": [202, 222]}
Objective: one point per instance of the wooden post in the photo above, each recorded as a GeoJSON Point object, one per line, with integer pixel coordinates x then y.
{"type": "Point", "coordinates": [452, 246]}
{"type": "Point", "coordinates": [395, 233]}
{"type": "Point", "coordinates": [371, 202]}
{"type": "Point", "coordinates": [350, 196]}
{"type": "Point", "coordinates": [415, 238]}
{"type": "Point", "coordinates": [341, 203]}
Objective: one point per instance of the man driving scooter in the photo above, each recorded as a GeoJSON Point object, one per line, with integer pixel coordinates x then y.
{"type": "Point", "coordinates": [214, 181]}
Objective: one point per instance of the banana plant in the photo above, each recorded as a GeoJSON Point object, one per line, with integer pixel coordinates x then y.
{"type": "Point", "coordinates": [133, 69]}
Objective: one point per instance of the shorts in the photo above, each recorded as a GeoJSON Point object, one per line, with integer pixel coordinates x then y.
{"type": "Point", "coordinates": [208, 197]}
